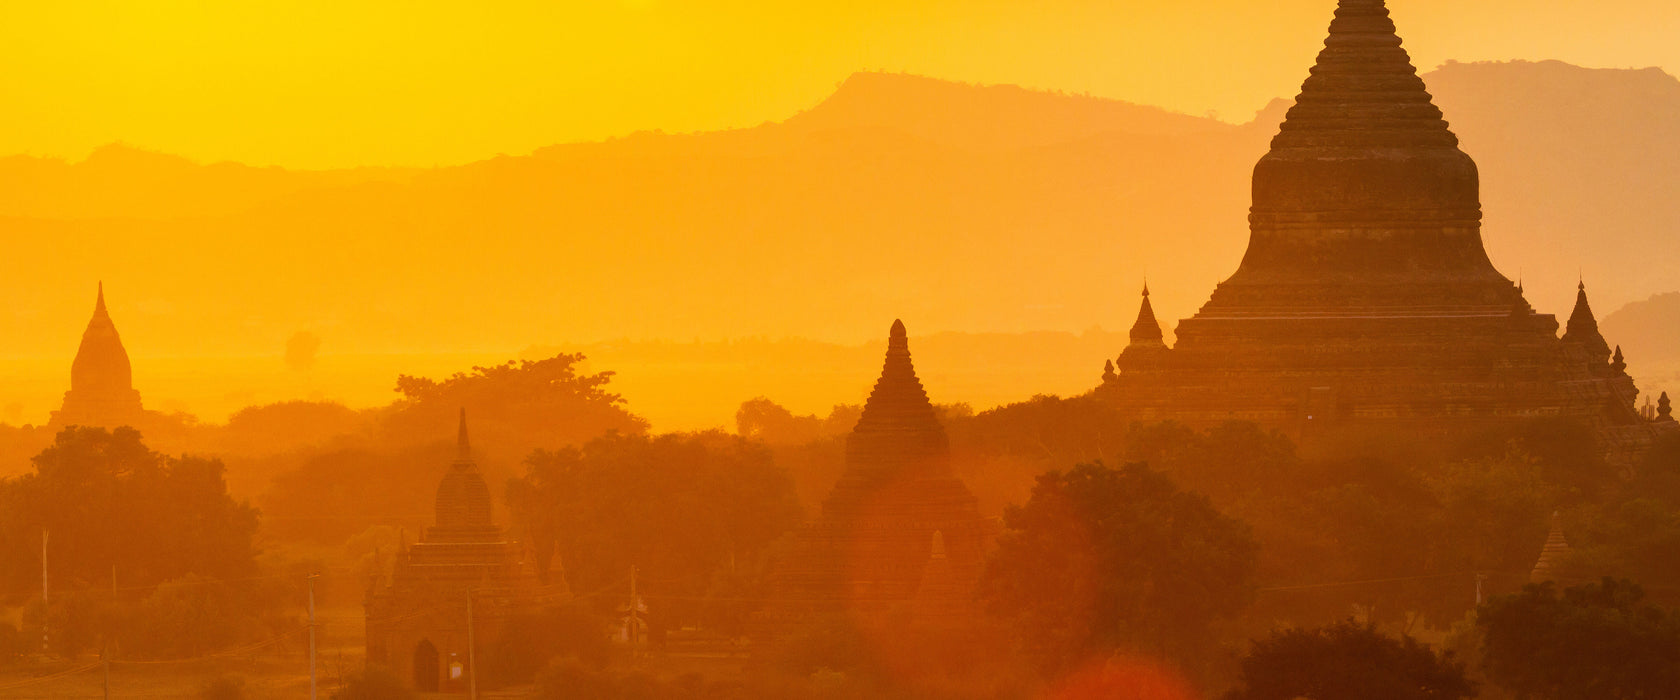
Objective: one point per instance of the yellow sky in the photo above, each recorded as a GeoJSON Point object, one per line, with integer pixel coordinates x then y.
{"type": "Point", "coordinates": [316, 83]}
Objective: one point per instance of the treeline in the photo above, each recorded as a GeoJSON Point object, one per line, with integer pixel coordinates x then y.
{"type": "Point", "coordinates": [1128, 551]}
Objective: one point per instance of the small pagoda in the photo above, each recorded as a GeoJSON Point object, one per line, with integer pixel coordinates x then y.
{"type": "Point", "coordinates": [900, 540]}
{"type": "Point", "coordinates": [456, 587]}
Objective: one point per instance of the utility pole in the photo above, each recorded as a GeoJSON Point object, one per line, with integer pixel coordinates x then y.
{"type": "Point", "coordinates": [635, 631]}
{"type": "Point", "coordinates": [45, 608]}
{"type": "Point", "coordinates": [472, 649]}
{"type": "Point", "coordinates": [312, 578]}
{"type": "Point", "coordinates": [105, 647]}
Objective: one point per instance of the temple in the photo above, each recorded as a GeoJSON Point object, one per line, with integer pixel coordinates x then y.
{"type": "Point", "coordinates": [101, 381]}
{"type": "Point", "coordinates": [900, 540]}
{"type": "Point", "coordinates": [457, 587]}
{"type": "Point", "coordinates": [1365, 297]}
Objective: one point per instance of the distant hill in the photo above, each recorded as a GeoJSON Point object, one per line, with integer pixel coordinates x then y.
{"type": "Point", "coordinates": [1648, 331]}
{"type": "Point", "coordinates": [989, 209]}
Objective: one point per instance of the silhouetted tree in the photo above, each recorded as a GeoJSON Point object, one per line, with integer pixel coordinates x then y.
{"type": "Point", "coordinates": [528, 643]}
{"type": "Point", "coordinates": [108, 501]}
{"type": "Point", "coordinates": [334, 494]}
{"type": "Point", "coordinates": [11, 642]}
{"type": "Point", "coordinates": [1348, 661]}
{"type": "Point", "coordinates": [766, 421]}
{"type": "Point", "coordinates": [374, 683]}
{"type": "Point", "coordinates": [1101, 559]}
{"type": "Point", "coordinates": [679, 507]}
{"type": "Point", "coordinates": [287, 425]}
{"type": "Point", "coordinates": [514, 407]}
{"type": "Point", "coordinates": [224, 687]}
{"type": "Point", "coordinates": [1599, 640]}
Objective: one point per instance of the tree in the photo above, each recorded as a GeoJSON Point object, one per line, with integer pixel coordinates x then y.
{"type": "Point", "coordinates": [1348, 661]}
{"type": "Point", "coordinates": [109, 502]}
{"type": "Point", "coordinates": [11, 642]}
{"type": "Point", "coordinates": [518, 406]}
{"type": "Point", "coordinates": [1103, 559]}
{"type": "Point", "coordinates": [528, 643]}
{"type": "Point", "coordinates": [374, 683]}
{"type": "Point", "coordinates": [1599, 640]}
{"type": "Point", "coordinates": [768, 422]}
{"type": "Point", "coordinates": [679, 507]}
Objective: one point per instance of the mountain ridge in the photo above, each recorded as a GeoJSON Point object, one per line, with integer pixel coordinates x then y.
{"type": "Point", "coordinates": [886, 175]}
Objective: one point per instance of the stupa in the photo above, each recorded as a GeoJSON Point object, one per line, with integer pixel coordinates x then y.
{"type": "Point", "coordinates": [101, 380]}
{"type": "Point", "coordinates": [418, 619]}
{"type": "Point", "coordinates": [1365, 296]}
{"type": "Point", "coordinates": [900, 540]}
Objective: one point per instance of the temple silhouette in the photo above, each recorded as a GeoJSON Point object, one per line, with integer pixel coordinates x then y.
{"type": "Point", "coordinates": [418, 620]}
{"type": "Point", "coordinates": [900, 540]}
{"type": "Point", "coordinates": [1365, 297]}
{"type": "Point", "coordinates": [101, 380]}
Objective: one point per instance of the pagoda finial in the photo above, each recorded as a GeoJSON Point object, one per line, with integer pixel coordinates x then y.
{"type": "Point", "coordinates": [99, 301]}
{"type": "Point", "coordinates": [1664, 410]}
{"type": "Point", "coordinates": [1146, 329]}
{"type": "Point", "coordinates": [1617, 363]}
{"type": "Point", "coordinates": [1583, 327]}
{"type": "Point", "coordinates": [1146, 287]}
{"type": "Point", "coordinates": [1108, 371]}
{"type": "Point", "coordinates": [463, 446]}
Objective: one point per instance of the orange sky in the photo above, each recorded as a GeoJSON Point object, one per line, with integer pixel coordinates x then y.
{"type": "Point", "coordinates": [327, 83]}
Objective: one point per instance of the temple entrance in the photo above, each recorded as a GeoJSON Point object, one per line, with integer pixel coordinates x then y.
{"type": "Point", "coordinates": [426, 667]}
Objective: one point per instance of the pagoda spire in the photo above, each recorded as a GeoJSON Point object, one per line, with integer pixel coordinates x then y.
{"type": "Point", "coordinates": [463, 447]}
{"type": "Point", "coordinates": [101, 378]}
{"type": "Point", "coordinates": [899, 426]}
{"type": "Point", "coordinates": [463, 497]}
{"type": "Point", "coordinates": [1363, 78]}
{"type": "Point", "coordinates": [1583, 327]}
{"type": "Point", "coordinates": [1146, 329]}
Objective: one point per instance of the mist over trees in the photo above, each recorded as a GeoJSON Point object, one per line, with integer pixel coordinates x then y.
{"type": "Point", "coordinates": [694, 513]}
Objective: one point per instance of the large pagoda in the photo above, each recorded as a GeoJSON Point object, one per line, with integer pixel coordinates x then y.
{"type": "Point", "coordinates": [1366, 296]}
{"type": "Point", "coordinates": [900, 541]}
